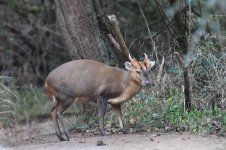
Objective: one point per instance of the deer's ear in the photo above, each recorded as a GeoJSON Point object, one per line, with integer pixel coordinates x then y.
{"type": "Point", "coordinates": [128, 66]}
{"type": "Point", "coordinates": [152, 63]}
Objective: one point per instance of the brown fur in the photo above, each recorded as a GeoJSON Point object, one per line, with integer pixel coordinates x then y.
{"type": "Point", "coordinates": [86, 80]}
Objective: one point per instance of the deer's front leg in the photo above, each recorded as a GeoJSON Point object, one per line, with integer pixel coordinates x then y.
{"type": "Point", "coordinates": [102, 106]}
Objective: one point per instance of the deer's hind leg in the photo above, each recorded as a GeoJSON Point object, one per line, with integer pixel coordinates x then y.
{"type": "Point", "coordinates": [62, 103]}
{"type": "Point", "coordinates": [64, 106]}
{"type": "Point", "coordinates": [55, 120]}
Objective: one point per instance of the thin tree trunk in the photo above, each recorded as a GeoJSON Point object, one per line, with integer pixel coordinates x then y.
{"type": "Point", "coordinates": [187, 89]}
{"type": "Point", "coordinates": [180, 27]}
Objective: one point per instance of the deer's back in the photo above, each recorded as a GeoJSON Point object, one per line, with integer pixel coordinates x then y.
{"type": "Point", "coordinates": [87, 79]}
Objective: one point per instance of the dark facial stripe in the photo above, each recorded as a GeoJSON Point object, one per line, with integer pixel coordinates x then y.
{"type": "Point", "coordinates": [143, 67]}
{"type": "Point", "coordinates": [139, 65]}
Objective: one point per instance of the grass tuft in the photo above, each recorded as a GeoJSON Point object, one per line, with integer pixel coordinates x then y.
{"type": "Point", "coordinates": [21, 103]}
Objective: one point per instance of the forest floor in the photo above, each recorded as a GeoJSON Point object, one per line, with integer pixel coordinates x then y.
{"type": "Point", "coordinates": [40, 136]}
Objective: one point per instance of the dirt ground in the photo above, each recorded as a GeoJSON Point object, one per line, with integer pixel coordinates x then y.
{"type": "Point", "coordinates": [41, 137]}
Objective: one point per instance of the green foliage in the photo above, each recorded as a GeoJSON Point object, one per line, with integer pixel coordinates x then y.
{"type": "Point", "coordinates": [28, 102]}
{"type": "Point", "coordinates": [7, 106]}
{"type": "Point", "coordinates": [21, 103]}
{"type": "Point", "coordinates": [84, 121]}
{"type": "Point", "coordinates": [27, 7]}
{"type": "Point", "coordinates": [32, 102]}
{"type": "Point", "coordinates": [34, 8]}
{"type": "Point", "coordinates": [208, 73]}
{"type": "Point", "coordinates": [170, 114]}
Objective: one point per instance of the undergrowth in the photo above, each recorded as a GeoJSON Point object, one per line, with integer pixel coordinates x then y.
{"type": "Point", "coordinates": [21, 103]}
{"type": "Point", "coordinates": [144, 112]}
{"type": "Point", "coordinates": [169, 115]}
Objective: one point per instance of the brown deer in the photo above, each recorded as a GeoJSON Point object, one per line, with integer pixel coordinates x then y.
{"type": "Point", "coordinates": [91, 81]}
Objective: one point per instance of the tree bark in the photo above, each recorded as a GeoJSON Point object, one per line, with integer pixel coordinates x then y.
{"type": "Point", "coordinates": [83, 36]}
{"type": "Point", "coordinates": [187, 89]}
{"type": "Point", "coordinates": [180, 27]}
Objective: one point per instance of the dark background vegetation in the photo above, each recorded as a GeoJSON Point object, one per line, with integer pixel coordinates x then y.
{"type": "Point", "coordinates": [31, 45]}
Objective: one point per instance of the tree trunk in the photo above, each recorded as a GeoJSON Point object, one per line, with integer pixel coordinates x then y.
{"type": "Point", "coordinates": [180, 28]}
{"type": "Point", "coordinates": [187, 89]}
{"type": "Point", "coordinates": [83, 36]}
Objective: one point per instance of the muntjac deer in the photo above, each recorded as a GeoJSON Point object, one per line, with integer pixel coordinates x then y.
{"type": "Point", "coordinates": [91, 81]}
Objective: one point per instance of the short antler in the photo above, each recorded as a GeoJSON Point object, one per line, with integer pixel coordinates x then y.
{"type": "Point", "coordinates": [146, 60]}
{"type": "Point", "coordinates": [130, 58]}
{"type": "Point", "coordinates": [145, 55]}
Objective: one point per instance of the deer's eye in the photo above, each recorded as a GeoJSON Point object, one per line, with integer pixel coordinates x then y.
{"type": "Point", "coordinates": [138, 71]}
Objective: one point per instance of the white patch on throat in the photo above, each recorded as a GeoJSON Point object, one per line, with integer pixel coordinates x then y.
{"type": "Point", "coordinates": [54, 99]}
{"type": "Point", "coordinates": [46, 85]}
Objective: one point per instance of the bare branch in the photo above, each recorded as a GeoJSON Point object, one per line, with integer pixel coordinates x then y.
{"type": "Point", "coordinates": [191, 62]}
{"type": "Point", "coordinates": [187, 90]}
{"type": "Point", "coordinates": [114, 42]}
{"type": "Point", "coordinates": [162, 12]}
{"type": "Point", "coordinates": [118, 35]}
{"type": "Point", "coordinates": [101, 15]}
{"type": "Point", "coordinates": [180, 60]}
{"type": "Point", "coordinates": [160, 71]}
{"type": "Point", "coordinates": [149, 32]}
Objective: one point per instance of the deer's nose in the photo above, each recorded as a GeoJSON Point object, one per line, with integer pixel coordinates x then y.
{"type": "Point", "coordinates": [147, 82]}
